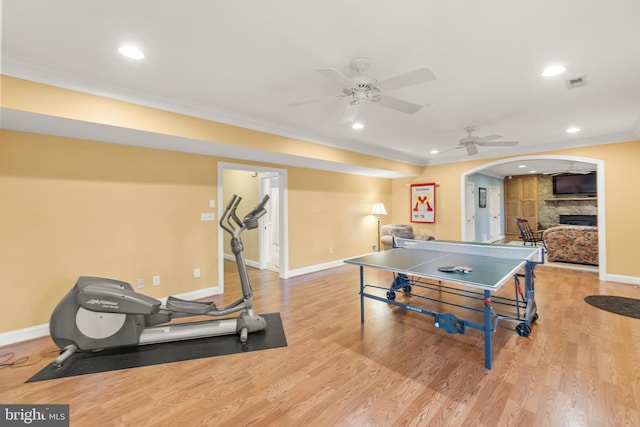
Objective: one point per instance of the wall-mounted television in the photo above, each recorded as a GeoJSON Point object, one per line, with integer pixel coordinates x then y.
{"type": "Point", "coordinates": [580, 184]}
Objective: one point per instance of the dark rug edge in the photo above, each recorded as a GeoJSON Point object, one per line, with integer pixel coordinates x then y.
{"type": "Point", "coordinates": [624, 306]}
{"type": "Point", "coordinates": [177, 351]}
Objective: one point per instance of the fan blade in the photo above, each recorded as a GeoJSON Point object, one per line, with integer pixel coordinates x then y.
{"type": "Point", "coordinates": [313, 101]}
{"type": "Point", "coordinates": [472, 150]}
{"type": "Point", "coordinates": [422, 75]}
{"type": "Point", "coordinates": [398, 104]}
{"type": "Point", "coordinates": [499, 143]}
{"type": "Point", "coordinates": [350, 113]}
{"type": "Point", "coordinates": [488, 138]}
{"type": "Point", "coordinates": [336, 77]}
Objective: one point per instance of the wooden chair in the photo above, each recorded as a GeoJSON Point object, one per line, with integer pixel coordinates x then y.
{"type": "Point", "coordinates": [528, 235]}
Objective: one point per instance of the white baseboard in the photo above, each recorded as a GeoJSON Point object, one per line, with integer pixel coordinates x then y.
{"type": "Point", "coordinates": [314, 268]}
{"type": "Point", "coordinates": [39, 331]}
{"type": "Point", "coordinates": [623, 279]}
{"type": "Point", "coordinates": [248, 262]}
{"type": "Point", "coordinates": [25, 334]}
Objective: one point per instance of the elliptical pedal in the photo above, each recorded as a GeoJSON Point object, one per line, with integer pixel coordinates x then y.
{"type": "Point", "coordinates": [190, 307]}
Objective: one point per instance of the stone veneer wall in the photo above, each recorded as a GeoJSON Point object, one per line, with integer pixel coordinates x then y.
{"type": "Point", "coordinates": [550, 211]}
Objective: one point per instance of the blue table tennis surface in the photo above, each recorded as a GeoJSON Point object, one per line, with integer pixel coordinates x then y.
{"type": "Point", "coordinates": [492, 265]}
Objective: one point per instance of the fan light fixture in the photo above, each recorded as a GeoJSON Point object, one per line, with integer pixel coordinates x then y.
{"type": "Point", "coordinates": [553, 70]}
{"type": "Point", "coordinates": [573, 129]}
{"type": "Point", "coordinates": [131, 51]}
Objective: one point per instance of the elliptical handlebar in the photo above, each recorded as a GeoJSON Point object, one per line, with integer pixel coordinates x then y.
{"type": "Point", "coordinates": [250, 220]}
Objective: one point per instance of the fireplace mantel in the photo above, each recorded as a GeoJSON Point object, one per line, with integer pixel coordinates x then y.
{"type": "Point", "coordinates": [557, 200]}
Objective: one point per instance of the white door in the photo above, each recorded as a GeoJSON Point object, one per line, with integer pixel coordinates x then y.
{"type": "Point", "coordinates": [495, 213]}
{"type": "Point", "coordinates": [470, 212]}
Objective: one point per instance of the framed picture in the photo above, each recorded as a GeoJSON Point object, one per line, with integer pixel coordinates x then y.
{"type": "Point", "coordinates": [423, 202]}
{"type": "Point", "coordinates": [482, 197]}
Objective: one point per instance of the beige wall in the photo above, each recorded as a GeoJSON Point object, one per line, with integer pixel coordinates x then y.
{"type": "Point", "coordinates": [73, 207]}
{"type": "Point", "coordinates": [332, 211]}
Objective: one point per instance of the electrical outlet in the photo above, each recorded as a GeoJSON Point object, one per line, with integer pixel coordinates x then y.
{"type": "Point", "coordinates": [140, 283]}
{"type": "Point", "coordinates": [330, 250]}
{"type": "Point", "coordinates": [374, 247]}
{"type": "Point", "coordinates": [205, 216]}
{"type": "Point", "coordinates": [196, 273]}
{"type": "Point", "coordinates": [156, 280]}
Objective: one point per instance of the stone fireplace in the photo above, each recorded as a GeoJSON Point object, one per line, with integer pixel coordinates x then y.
{"type": "Point", "coordinates": [551, 208]}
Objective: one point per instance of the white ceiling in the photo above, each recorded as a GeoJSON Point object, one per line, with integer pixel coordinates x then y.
{"type": "Point", "coordinates": [244, 62]}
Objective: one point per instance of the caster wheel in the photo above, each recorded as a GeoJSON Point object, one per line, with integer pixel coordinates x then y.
{"type": "Point", "coordinates": [534, 318]}
{"type": "Point", "coordinates": [523, 330]}
{"type": "Point", "coordinates": [407, 289]}
{"type": "Point", "coordinates": [391, 295]}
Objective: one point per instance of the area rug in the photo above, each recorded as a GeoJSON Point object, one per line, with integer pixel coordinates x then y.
{"type": "Point", "coordinates": [614, 304]}
{"type": "Point", "coordinates": [154, 354]}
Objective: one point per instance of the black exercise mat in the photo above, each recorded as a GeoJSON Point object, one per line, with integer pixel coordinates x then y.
{"type": "Point", "coordinates": [177, 351]}
{"type": "Point", "coordinates": [614, 304]}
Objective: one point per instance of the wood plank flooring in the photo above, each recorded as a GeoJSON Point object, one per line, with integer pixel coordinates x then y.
{"type": "Point", "coordinates": [580, 366]}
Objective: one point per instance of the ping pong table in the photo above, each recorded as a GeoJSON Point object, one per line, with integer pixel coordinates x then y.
{"type": "Point", "coordinates": [415, 267]}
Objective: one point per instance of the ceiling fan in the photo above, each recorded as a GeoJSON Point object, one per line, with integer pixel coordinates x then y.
{"type": "Point", "coordinates": [359, 88]}
{"type": "Point", "coordinates": [471, 143]}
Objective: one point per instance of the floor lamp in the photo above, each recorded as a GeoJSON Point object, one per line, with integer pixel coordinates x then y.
{"type": "Point", "coordinates": [378, 209]}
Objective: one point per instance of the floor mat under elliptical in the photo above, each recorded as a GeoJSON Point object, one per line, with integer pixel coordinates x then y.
{"type": "Point", "coordinates": [154, 354]}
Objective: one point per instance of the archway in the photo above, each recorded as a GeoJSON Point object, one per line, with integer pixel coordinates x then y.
{"type": "Point", "coordinates": [602, 235]}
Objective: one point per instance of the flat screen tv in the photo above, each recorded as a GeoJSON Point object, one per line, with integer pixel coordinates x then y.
{"type": "Point", "coordinates": [578, 184]}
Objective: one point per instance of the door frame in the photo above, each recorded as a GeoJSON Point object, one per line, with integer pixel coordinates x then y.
{"type": "Point", "coordinates": [282, 217]}
{"type": "Point", "coordinates": [265, 244]}
{"type": "Point", "coordinates": [470, 223]}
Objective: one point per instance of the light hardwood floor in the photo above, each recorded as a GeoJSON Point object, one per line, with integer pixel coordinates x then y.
{"type": "Point", "coordinates": [579, 367]}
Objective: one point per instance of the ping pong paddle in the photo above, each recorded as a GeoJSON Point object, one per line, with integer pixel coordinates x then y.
{"type": "Point", "coordinates": [455, 269]}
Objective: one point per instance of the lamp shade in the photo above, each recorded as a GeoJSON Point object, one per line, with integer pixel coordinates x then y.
{"type": "Point", "coordinates": [378, 209]}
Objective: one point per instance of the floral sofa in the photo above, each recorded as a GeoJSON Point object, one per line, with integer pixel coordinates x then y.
{"type": "Point", "coordinates": [572, 243]}
{"type": "Point", "coordinates": [388, 232]}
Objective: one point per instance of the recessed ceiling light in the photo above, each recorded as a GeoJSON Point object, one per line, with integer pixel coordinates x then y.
{"type": "Point", "coordinates": [357, 125]}
{"type": "Point", "coordinates": [532, 171]}
{"type": "Point", "coordinates": [573, 129]}
{"type": "Point", "coordinates": [131, 52]}
{"type": "Point", "coordinates": [522, 166]}
{"type": "Point", "coordinates": [434, 152]}
{"type": "Point", "coordinates": [553, 70]}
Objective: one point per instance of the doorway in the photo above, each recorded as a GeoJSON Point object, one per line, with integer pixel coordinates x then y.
{"type": "Point", "coordinates": [602, 235]}
{"type": "Point", "coordinates": [272, 234]}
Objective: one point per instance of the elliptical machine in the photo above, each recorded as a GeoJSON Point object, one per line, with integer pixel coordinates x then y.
{"type": "Point", "coordinates": [99, 313]}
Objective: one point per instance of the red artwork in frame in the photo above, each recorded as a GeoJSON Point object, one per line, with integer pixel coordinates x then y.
{"type": "Point", "coordinates": [423, 202]}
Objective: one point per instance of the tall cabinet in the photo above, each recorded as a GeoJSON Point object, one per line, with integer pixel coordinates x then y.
{"type": "Point", "coordinates": [521, 201]}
